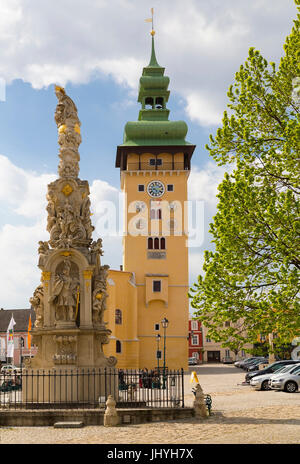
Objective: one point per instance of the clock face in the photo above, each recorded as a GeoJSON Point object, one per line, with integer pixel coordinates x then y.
{"type": "Point", "coordinates": [156, 189]}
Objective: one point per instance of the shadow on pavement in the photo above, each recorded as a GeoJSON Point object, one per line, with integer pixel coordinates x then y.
{"type": "Point", "coordinates": [215, 369]}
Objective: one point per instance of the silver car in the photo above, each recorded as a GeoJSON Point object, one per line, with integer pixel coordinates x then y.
{"type": "Point", "coordinates": [288, 382]}
{"type": "Point", "coordinates": [262, 382]}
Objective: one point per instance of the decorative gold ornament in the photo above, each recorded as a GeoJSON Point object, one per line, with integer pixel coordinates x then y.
{"type": "Point", "coordinates": [62, 129]}
{"type": "Point", "coordinates": [46, 275]}
{"type": "Point", "coordinates": [66, 253]}
{"type": "Point", "coordinates": [67, 190]}
{"type": "Point", "coordinates": [59, 89]}
{"type": "Point", "coordinates": [152, 33]}
{"type": "Point", "coordinates": [99, 296]}
{"type": "Point", "coordinates": [87, 274]}
{"type": "Point", "coordinates": [77, 128]}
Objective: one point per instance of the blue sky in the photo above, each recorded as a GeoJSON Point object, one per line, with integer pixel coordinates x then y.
{"type": "Point", "coordinates": [96, 49]}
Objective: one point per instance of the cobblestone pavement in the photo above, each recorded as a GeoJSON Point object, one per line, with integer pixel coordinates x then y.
{"type": "Point", "coordinates": [240, 416]}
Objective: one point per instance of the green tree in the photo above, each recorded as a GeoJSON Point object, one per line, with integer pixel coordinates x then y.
{"type": "Point", "coordinates": [252, 277]}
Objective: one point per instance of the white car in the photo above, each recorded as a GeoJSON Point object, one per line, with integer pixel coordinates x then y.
{"type": "Point", "coordinates": [262, 382]}
{"type": "Point", "coordinates": [288, 382]}
{"type": "Point", "coordinates": [10, 369]}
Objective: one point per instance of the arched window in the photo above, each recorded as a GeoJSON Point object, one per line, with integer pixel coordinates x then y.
{"type": "Point", "coordinates": [118, 316]}
{"type": "Point", "coordinates": [159, 103]}
{"type": "Point", "coordinates": [155, 213]}
{"type": "Point", "coordinates": [118, 346]}
{"type": "Point", "coordinates": [162, 243]}
{"type": "Point", "coordinates": [149, 103]}
{"type": "Point", "coordinates": [156, 243]}
{"type": "Point", "coordinates": [150, 243]}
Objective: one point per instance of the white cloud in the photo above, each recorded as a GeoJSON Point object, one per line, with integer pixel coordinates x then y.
{"type": "Point", "coordinates": [24, 191]}
{"type": "Point", "coordinates": [201, 43]}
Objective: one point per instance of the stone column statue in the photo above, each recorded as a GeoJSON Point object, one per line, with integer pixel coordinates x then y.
{"type": "Point", "coordinates": [64, 296]}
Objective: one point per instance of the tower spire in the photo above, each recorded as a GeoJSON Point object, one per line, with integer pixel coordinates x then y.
{"type": "Point", "coordinates": [153, 60]}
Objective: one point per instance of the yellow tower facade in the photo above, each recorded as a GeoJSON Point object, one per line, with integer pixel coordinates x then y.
{"type": "Point", "coordinates": [154, 162]}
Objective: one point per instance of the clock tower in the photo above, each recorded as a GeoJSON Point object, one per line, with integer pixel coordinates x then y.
{"type": "Point", "coordinates": [154, 161]}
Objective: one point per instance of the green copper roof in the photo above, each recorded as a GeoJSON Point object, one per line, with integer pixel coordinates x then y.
{"type": "Point", "coordinates": [153, 126]}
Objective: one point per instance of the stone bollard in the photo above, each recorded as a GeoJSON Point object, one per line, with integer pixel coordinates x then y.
{"type": "Point", "coordinates": [199, 403]}
{"type": "Point", "coordinates": [111, 418]}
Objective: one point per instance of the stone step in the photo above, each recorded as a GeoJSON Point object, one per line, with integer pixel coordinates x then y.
{"type": "Point", "coordinates": [68, 425]}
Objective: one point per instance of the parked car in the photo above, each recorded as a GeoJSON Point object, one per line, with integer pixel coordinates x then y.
{"type": "Point", "coordinates": [255, 365]}
{"type": "Point", "coordinates": [10, 369]}
{"type": "Point", "coordinates": [262, 382]}
{"type": "Point", "coordinates": [243, 361]}
{"type": "Point", "coordinates": [11, 385]}
{"type": "Point", "coordinates": [287, 381]}
{"type": "Point", "coordinates": [250, 362]}
{"type": "Point", "coordinates": [193, 361]}
{"type": "Point", "coordinates": [270, 368]}
{"type": "Point", "coordinates": [227, 360]}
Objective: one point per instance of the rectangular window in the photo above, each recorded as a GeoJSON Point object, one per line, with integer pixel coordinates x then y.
{"type": "Point", "coordinates": [170, 187]}
{"type": "Point", "coordinates": [159, 162]}
{"type": "Point", "coordinates": [152, 161]}
{"type": "Point", "coordinates": [141, 188]}
{"type": "Point", "coordinates": [156, 285]}
{"type": "Point", "coordinates": [194, 325]}
{"type": "Point", "coordinates": [208, 340]}
{"type": "Point", "coordinates": [195, 340]}
{"type": "Point", "coordinates": [227, 353]}
{"type": "Point", "coordinates": [156, 326]}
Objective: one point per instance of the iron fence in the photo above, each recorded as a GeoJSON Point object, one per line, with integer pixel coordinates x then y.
{"type": "Point", "coordinates": [166, 166]}
{"type": "Point", "coordinates": [90, 388]}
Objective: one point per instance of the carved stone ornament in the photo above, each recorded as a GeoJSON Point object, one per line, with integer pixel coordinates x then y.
{"type": "Point", "coordinates": [66, 349]}
{"type": "Point", "coordinates": [100, 295]}
{"type": "Point", "coordinates": [37, 302]}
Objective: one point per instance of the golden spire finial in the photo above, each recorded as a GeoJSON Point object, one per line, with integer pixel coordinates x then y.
{"type": "Point", "coordinates": [150, 20]}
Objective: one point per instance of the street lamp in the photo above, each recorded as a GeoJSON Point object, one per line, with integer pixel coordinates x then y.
{"type": "Point", "coordinates": [21, 341]}
{"type": "Point", "coordinates": [158, 354]}
{"type": "Point", "coordinates": [164, 324]}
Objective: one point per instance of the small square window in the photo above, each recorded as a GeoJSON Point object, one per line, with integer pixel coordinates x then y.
{"type": "Point", "coordinates": [156, 285]}
{"type": "Point", "coordinates": [170, 188]}
{"type": "Point", "coordinates": [141, 188]}
{"type": "Point", "coordinates": [159, 162]}
{"type": "Point", "coordinates": [152, 161]}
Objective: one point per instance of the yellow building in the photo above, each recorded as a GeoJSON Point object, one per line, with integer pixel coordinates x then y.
{"type": "Point", "coordinates": [154, 162]}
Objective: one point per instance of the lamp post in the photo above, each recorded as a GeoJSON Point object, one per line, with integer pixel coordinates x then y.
{"type": "Point", "coordinates": [164, 324]}
{"type": "Point", "coordinates": [158, 352]}
{"type": "Point", "coordinates": [21, 341]}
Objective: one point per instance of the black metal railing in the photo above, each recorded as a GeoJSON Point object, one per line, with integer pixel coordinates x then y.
{"type": "Point", "coordinates": [166, 166]}
{"type": "Point", "coordinates": [90, 388]}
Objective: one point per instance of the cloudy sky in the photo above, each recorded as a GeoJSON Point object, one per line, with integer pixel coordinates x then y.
{"type": "Point", "coordinates": [97, 49]}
